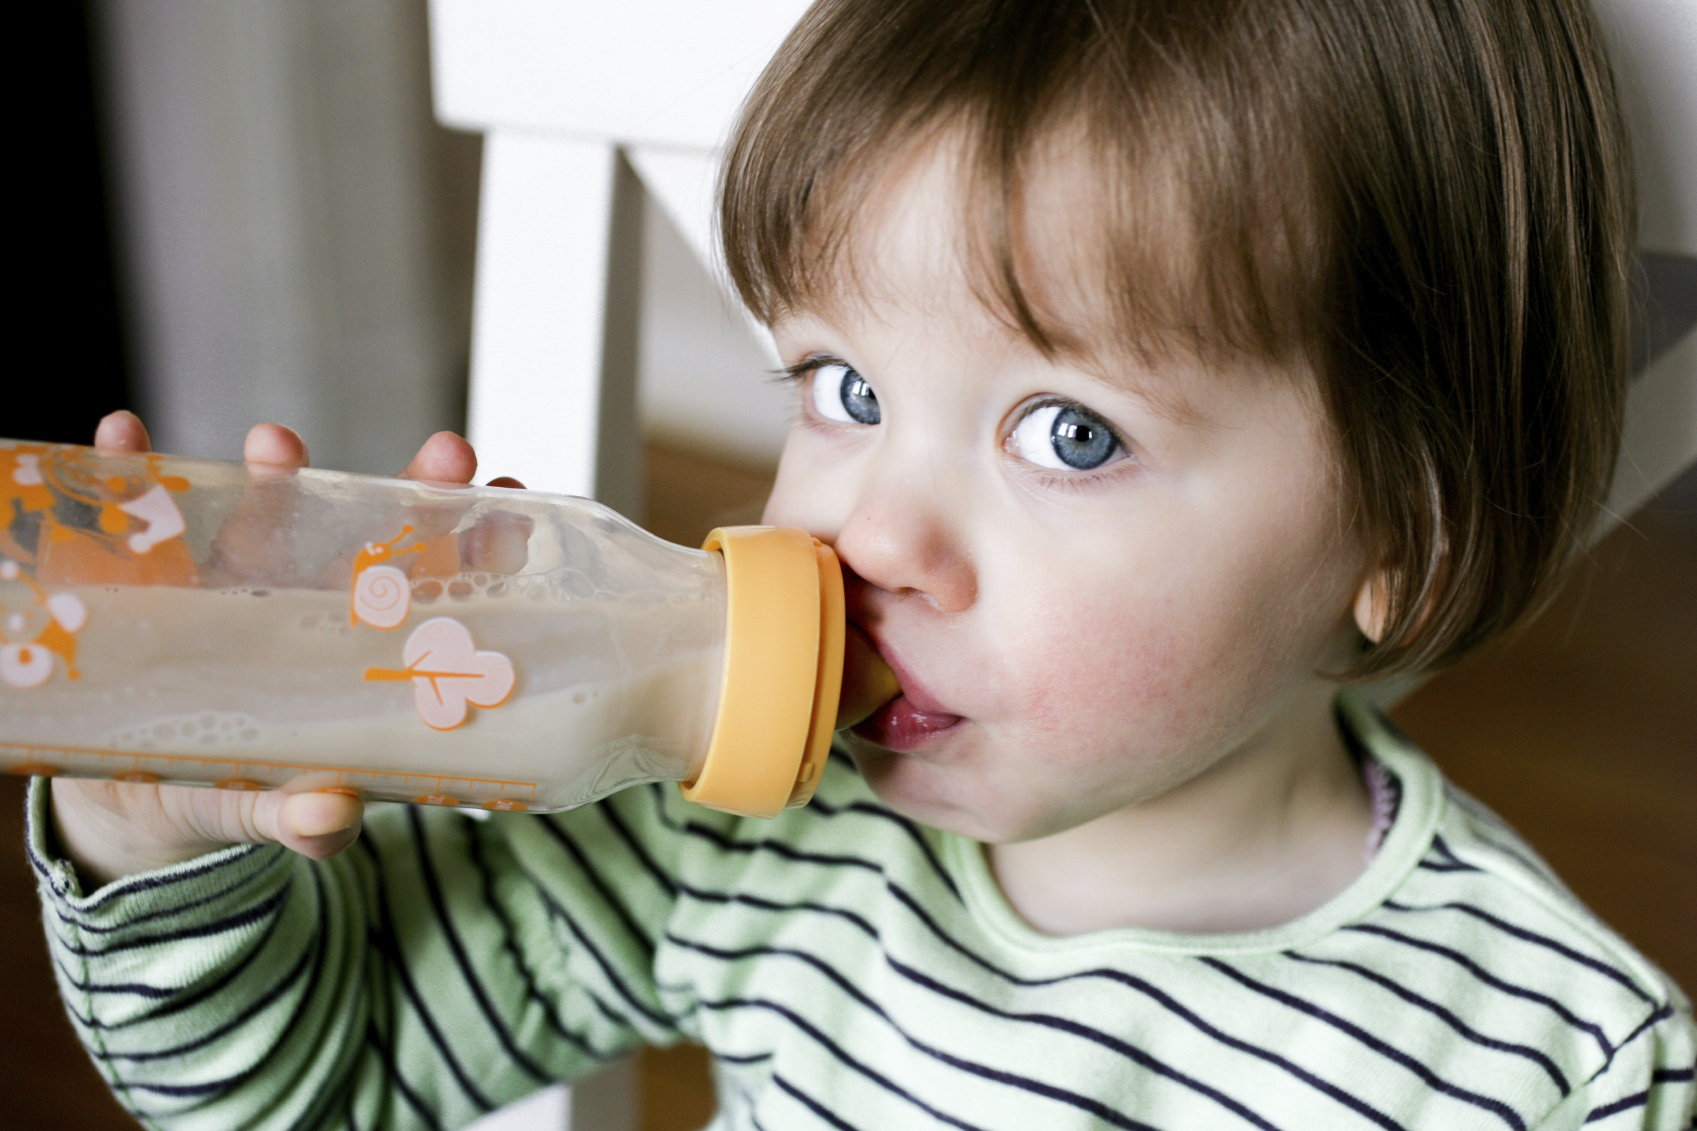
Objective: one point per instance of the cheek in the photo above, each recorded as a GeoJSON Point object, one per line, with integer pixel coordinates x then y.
{"type": "Point", "coordinates": [1187, 660]}
{"type": "Point", "coordinates": [801, 492]}
{"type": "Point", "coordinates": [1096, 675]}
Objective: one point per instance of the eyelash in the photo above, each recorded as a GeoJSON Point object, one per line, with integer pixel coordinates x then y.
{"type": "Point", "coordinates": [795, 375]}
{"type": "Point", "coordinates": [805, 366]}
{"type": "Point", "coordinates": [1049, 477]}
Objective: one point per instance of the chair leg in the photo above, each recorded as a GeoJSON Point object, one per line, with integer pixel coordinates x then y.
{"type": "Point", "coordinates": [553, 383]}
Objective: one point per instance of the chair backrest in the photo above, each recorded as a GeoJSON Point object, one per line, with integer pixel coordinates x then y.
{"type": "Point", "coordinates": [601, 125]}
{"type": "Point", "coordinates": [1654, 43]}
{"type": "Point", "coordinates": [594, 115]}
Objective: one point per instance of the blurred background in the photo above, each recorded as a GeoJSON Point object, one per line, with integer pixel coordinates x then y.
{"type": "Point", "coordinates": [244, 210]}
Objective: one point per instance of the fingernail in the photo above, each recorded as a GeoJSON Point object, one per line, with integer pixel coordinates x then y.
{"type": "Point", "coordinates": [325, 819]}
{"type": "Point", "coordinates": [309, 829]}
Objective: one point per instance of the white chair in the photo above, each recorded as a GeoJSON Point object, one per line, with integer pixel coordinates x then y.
{"type": "Point", "coordinates": [592, 111]}
{"type": "Point", "coordinates": [601, 124]}
{"type": "Point", "coordinates": [1654, 43]}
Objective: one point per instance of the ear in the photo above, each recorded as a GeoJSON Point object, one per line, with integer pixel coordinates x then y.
{"type": "Point", "coordinates": [1373, 605]}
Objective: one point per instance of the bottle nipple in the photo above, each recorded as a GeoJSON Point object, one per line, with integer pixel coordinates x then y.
{"type": "Point", "coordinates": [868, 682]}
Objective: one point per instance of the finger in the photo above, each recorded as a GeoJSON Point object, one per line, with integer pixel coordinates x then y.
{"type": "Point", "coordinates": [444, 458]}
{"type": "Point", "coordinates": [497, 543]}
{"type": "Point", "coordinates": [275, 444]}
{"type": "Point", "coordinates": [121, 431]}
{"type": "Point", "coordinates": [319, 824]}
{"type": "Point", "coordinates": [110, 829]}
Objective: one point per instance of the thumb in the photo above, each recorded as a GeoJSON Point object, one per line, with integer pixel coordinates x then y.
{"type": "Point", "coordinates": [318, 824]}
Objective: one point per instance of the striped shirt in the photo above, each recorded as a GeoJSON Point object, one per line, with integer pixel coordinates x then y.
{"type": "Point", "coordinates": [850, 969]}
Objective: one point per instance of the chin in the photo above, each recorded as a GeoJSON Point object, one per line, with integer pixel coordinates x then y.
{"type": "Point", "coordinates": [926, 793]}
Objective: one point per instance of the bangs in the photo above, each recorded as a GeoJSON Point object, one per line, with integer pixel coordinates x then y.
{"type": "Point", "coordinates": [1123, 158]}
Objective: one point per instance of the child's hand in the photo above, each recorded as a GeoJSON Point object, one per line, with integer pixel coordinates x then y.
{"type": "Point", "coordinates": [111, 829]}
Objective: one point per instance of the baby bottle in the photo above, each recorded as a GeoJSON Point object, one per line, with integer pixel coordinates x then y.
{"type": "Point", "coordinates": [245, 627]}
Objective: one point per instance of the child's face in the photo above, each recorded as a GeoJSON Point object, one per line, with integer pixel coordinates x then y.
{"type": "Point", "coordinates": [1095, 582]}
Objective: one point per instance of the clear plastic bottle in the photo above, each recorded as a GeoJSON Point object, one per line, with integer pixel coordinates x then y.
{"type": "Point", "coordinates": [177, 620]}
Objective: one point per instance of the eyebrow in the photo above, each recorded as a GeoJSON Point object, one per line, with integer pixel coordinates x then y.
{"type": "Point", "coordinates": [1161, 394]}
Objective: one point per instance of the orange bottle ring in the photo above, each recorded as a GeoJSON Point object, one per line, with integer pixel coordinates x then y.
{"type": "Point", "coordinates": [784, 628]}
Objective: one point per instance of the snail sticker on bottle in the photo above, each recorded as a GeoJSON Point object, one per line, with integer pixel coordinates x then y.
{"type": "Point", "coordinates": [381, 594]}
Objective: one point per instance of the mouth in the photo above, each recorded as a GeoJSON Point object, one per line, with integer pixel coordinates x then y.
{"type": "Point", "coordinates": [903, 727]}
{"type": "Point", "coordinates": [910, 721]}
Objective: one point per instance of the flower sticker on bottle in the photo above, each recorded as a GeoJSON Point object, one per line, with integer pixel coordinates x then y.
{"type": "Point", "coordinates": [28, 663]}
{"type": "Point", "coordinates": [381, 594]}
{"type": "Point", "coordinates": [160, 518]}
{"type": "Point", "coordinates": [449, 675]}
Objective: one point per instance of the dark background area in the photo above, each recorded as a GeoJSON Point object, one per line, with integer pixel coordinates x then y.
{"type": "Point", "coordinates": [74, 365]}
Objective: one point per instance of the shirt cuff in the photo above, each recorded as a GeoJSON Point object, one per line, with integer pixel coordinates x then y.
{"type": "Point", "coordinates": [144, 894]}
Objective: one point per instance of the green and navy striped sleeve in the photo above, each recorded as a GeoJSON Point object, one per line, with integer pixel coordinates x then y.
{"type": "Point", "coordinates": [421, 979]}
{"type": "Point", "coordinates": [852, 970]}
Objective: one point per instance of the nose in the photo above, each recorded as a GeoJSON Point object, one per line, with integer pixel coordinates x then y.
{"type": "Point", "coordinates": [902, 536]}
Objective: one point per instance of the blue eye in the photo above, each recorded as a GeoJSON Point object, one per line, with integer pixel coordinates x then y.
{"type": "Point", "coordinates": [1066, 437]}
{"type": "Point", "coordinates": [841, 394]}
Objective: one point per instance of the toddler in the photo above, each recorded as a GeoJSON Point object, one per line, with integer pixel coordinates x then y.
{"type": "Point", "coordinates": [1162, 367]}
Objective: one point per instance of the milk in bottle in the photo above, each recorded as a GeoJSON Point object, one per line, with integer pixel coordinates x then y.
{"type": "Point", "coordinates": [174, 620]}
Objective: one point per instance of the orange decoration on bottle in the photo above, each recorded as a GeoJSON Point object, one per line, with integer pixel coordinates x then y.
{"type": "Point", "coordinates": [137, 535]}
{"type": "Point", "coordinates": [29, 663]}
{"type": "Point", "coordinates": [449, 675]}
{"type": "Point", "coordinates": [22, 493]}
{"type": "Point", "coordinates": [381, 595]}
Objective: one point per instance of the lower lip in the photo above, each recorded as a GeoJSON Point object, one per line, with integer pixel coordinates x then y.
{"type": "Point", "coordinates": [900, 726]}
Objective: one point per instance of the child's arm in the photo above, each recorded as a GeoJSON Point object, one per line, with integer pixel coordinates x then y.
{"type": "Point", "coordinates": [421, 978]}
{"type": "Point", "coordinates": [440, 967]}
{"type": "Point", "coordinates": [1650, 1084]}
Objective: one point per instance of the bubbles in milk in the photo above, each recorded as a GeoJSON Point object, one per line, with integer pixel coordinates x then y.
{"type": "Point", "coordinates": [558, 585]}
{"type": "Point", "coordinates": [323, 624]}
{"type": "Point", "coordinates": [175, 732]}
{"type": "Point", "coordinates": [259, 684]}
{"type": "Point", "coordinates": [427, 591]}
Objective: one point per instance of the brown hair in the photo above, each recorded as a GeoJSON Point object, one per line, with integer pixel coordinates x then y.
{"type": "Point", "coordinates": [1425, 200]}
